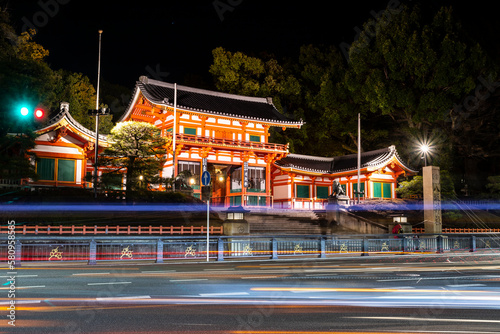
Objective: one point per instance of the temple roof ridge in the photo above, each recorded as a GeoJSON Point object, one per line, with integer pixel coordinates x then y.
{"type": "Point", "coordinates": [238, 107]}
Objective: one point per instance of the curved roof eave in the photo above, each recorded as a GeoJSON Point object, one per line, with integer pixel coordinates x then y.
{"type": "Point", "coordinates": [65, 115]}
{"type": "Point", "coordinates": [165, 102]}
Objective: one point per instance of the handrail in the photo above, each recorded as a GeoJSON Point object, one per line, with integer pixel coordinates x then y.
{"type": "Point", "coordinates": [230, 142]}
{"type": "Point", "coordinates": [160, 248]}
{"type": "Point", "coordinates": [112, 230]}
{"type": "Point", "coordinates": [460, 230]}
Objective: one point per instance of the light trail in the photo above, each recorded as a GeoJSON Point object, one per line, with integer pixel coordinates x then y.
{"type": "Point", "coordinates": [285, 289]}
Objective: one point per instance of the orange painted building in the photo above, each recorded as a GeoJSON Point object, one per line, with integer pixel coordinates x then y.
{"type": "Point", "coordinates": [65, 152]}
{"type": "Point", "coordinates": [227, 135]}
{"type": "Point", "coordinates": [304, 182]}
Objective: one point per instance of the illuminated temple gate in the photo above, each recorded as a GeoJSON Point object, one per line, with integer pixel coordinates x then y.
{"type": "Point", "coordinates": [223, 133]}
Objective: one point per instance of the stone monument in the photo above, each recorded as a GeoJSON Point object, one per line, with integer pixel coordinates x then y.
{"type": "Point", "coordinates": [432, 200]}
{"type": "Point", "coordinates": [335, 200]}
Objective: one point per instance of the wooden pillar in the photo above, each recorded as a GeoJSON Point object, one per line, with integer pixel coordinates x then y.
{"type": "Point", "coordinates": [268, 184]}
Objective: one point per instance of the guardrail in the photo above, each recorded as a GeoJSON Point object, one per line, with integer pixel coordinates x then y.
{"type": "Point", "coordinates": [101, 248]}
{"type": "Point", "coordinates": [460, 230]}
{"type": "Point", "coordinates": [111, 230]}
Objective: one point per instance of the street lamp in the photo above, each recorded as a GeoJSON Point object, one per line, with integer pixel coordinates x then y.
{"type": "Point", "coordinates": [424, 149]}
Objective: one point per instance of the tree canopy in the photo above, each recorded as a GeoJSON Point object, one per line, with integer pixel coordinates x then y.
{"type": "Point", "coordinates": [137, 151]}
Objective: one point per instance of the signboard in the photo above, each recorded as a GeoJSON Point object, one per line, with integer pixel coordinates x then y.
{"type": "Point", "coordinates": [205, 178]}
{"type": "Point", "coordinates": [245, 174]}
{"type": "Point", "coordinates": [204, 164]}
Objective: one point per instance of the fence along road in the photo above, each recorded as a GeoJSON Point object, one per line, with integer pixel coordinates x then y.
{"type": "Point", "coordinates": [159, 249]}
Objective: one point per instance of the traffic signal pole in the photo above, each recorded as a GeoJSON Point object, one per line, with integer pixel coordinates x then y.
{"type": "Point", "coordinates": [208, 228]}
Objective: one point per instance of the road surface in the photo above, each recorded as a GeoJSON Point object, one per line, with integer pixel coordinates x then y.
{"type": "Point", "coordinates": [390, 294]}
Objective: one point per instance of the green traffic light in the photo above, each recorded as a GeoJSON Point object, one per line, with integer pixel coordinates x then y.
{"type": "Point", "coordinates": [24, 111]}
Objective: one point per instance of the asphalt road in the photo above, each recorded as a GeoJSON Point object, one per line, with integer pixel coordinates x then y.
{"type": "Point", "coordinates": [392, 294]}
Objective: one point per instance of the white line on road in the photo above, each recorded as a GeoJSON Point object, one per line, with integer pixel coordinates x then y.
{"type": "Point", "coordinates": [85, 274]}
{"type": "Point", "coordinates": [106, 283]}
{"type": "Point", "coordinates": [157, 272]}
{"type": "Point", "coordinates": [214, 269]}
{"type": "Point", "coordinates": [258, 277]}
{"type": "Point", "coordinates": [30, 287]}
{"type": "Point", "coordinates": [223, 294]}
{"type": "Point", "coordinates": [122, 298]}
{"type": "Point", "coordinates": [463, 285]}
{"type": "Point", "coordinates": [17, 276]}
{"type": "Point", "coordinates": [429, 319]}
{"type": "Point", "coordinates": [21, 302]}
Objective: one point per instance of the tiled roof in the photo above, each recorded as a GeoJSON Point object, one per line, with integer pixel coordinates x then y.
{"type": "Point", "coordinates": [64, 113]}
{"type": "Point", "coordinates": [211, 102]}
{"type": "Point", "coordinates": [374, 159]}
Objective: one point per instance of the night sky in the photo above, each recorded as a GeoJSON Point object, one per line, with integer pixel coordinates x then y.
{"type": "Point", "coordinates": [169, 39]}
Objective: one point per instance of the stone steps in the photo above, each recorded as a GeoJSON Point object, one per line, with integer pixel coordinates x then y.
{"type": "Point", "coordinates": [282, 221]}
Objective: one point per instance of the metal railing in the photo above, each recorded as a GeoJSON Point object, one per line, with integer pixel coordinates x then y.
{"type": "Point", "coordinates": [126, 248]}
{"type": "Point", "coordinates": [460, 230]}
{"type": "Point", "coordinates": [228, 143]}
{"type": "Point", "coordinates": [111, 230]}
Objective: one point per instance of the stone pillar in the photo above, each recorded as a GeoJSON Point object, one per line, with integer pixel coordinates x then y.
{"type": "Point", "coordinates": [432, 200]}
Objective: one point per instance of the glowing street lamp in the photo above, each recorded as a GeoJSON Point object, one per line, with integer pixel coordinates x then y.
{"type": "Point", "coordinates": [425, 149]}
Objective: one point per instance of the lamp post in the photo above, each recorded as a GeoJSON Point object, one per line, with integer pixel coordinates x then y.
{"type": "Point", "coordinates": [97, 116]}
{"type": "Point", "coordinates": [424, 148]}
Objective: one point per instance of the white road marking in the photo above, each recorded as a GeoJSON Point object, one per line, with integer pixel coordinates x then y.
{"type": "Point", "coordinates": [122, 298]}
{"type": "Point", "coordinates": [157, 272]}
{"type": "Point", "coordinates": [223, 294]}
{"type": "Point", "coordinates": [21, 302]}
{"type": "Point", "coordinates": [107, 283]}
{"type": "Point", "coordinates": [258, 277]}
{"type": "Point", "coordinates": [429, 319]}
{"type": "Point", "coordinates": [85, 274]}
{"type": "Point", "coordinates": [214, 269]}
{"type": "Point", "coordinates": [463, 285]}
{"type": "Point", "coordinates": [17, 276]}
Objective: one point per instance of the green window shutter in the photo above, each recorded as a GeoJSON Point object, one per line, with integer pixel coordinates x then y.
{"type": "Point", "coordinates": [252, 200]}
{"type": "Point", "coordinates": [321, 192]}
{"type": "Point", "coordinates": [235, 200]}
{"type": "Point", "coordinates": [66, 170]}
{"type": "Point", "coordinates": [190, 131]}
{"type": "Point", "coordinates": [377, 189]}
{"type": "Point", "coordinates": [355, 188]}
{"type": "Point", "coordinates": [45, 169]}
{"type": "Point", "coordinates": [302, 191]}
{"type": "Point", "coordinates": [387, 190]}
{"type": "Point", "coordinates": [255, 138]}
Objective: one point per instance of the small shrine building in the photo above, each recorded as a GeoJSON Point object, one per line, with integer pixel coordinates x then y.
{"type": "Point", "coordinates": [65, 152]}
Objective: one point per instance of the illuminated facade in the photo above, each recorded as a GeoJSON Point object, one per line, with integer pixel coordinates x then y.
{"type": "Point", "coordinates": [304, 182]}
{"type": "Point", "coordinates": [65, 152]}
{"type": "Point", "coordinates": [226, 135]}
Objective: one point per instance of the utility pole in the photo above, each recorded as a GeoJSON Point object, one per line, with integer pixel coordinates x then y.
{"type": "Point", "coordinates": [359, 155]}
{"type": "Point", "coordinates": [97, 117]}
